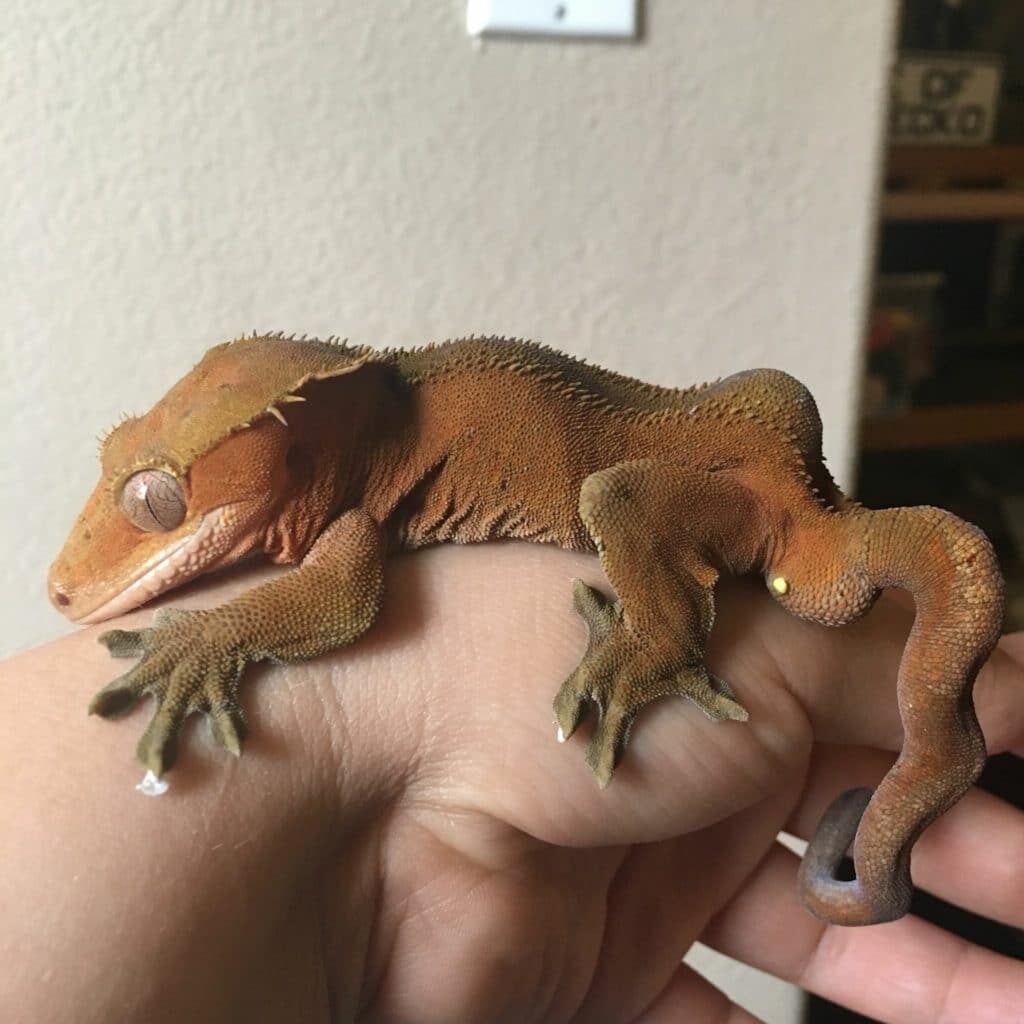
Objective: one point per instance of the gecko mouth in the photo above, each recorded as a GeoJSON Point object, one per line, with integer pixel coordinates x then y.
{"type": "Point", "coordinates": [183, 561]}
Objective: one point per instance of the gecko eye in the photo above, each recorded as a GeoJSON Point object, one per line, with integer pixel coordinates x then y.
{"type": "Point", "coordinates": [153, 501]}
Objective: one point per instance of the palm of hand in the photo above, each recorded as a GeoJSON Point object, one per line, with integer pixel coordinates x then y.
{"type": "Point", "coordinates": [512, 888]}
{"type": "Point", "coordinates": [404, 839]}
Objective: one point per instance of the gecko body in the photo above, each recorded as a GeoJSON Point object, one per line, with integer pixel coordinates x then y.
{"type": "Point", "coordinates": [329, 456]}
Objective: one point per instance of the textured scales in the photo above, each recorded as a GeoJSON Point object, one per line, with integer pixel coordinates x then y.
{"type": "Point", "coordinates": [329, 456]}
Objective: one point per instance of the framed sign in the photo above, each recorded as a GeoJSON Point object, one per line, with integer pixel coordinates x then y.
{"type": "Point", "coordinates": [945, 98]}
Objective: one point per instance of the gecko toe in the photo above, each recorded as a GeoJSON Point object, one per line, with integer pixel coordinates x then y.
{"type": "Point", "coordinates": [228, 727]}
{"type": "Point", "coordinates": [719, 685]}
{"type": "Point", "coordinates": [571, 707]}
{"type": "Point", "coordinates": [712, 695]}
{"type": "Point", "coordinates": [118, 696]}
{"type": "Point", "coordinates": [607, 745]}
{"type": "Point", "coordinates": [125, 643]}
{"type": "Point", "coordinates": [168, 616]}
{"type": "Point", "coordinates": [594, 608]}
{"type": "Point", "coordinates": [157, 749]}
{"type": "Point", "coordinates": [589, 682]}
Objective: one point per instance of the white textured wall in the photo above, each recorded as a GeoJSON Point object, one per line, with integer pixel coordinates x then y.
{"type": "Point", "coordinates": [172, 173]}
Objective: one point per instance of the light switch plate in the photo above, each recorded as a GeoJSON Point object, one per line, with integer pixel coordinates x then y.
{"type": "Point", "coordinates": [606, 19]}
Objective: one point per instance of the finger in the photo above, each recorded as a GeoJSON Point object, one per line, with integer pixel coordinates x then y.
{"type": "Point", "coordinates": [907, 971]}
{"type": "Point", "coordinates": [661, 899]}
{"type": "Point", "coordinates": [688, 996]}
{"type": "Point", "coordinates": [999, 696]}
{"type": "Point", "coordinates": [969, 857]}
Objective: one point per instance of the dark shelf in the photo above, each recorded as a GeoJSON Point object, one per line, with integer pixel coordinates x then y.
{"type": "Point", "coordinates": [944, 183]}
{"type": "Point", "coordinates": [955, 164]}
{"type": "Point", "coordinates": [944, 426]}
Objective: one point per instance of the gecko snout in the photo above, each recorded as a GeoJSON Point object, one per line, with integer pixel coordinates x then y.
{"type": "Point", "coordinates": [61, 589]}
{"type": "Point", "coordinates": [58, 598]}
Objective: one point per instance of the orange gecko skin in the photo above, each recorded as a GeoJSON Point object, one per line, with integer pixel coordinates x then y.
{"type": "Point", "coordinates": [329, 456]}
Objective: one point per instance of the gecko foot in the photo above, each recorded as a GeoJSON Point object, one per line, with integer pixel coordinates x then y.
{"type": "Point", "coordinates": [621, 673]}
{"type": "Point", "coordinates": [185, 670]}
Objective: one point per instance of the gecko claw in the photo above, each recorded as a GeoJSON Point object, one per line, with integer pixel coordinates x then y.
{"type": "Point", "coordinates": [151, 785]}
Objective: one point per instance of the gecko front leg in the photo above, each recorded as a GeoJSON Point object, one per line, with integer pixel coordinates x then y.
{"type": "Point", "coordinates": [193, 660]}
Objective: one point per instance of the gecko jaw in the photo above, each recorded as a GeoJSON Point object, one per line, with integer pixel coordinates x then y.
{"type": "Point", "coordinates": [185, 560]}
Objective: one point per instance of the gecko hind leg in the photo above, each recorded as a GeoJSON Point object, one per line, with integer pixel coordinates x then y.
{"type": "Point", "coordinates": [651, 523]}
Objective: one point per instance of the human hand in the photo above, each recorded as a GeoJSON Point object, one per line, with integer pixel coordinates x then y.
{"type": "Point", "coordinates": [403, 838]}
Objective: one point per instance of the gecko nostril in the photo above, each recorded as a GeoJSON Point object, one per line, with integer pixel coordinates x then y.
{"type": "Point", "coordinates": [58, 597]}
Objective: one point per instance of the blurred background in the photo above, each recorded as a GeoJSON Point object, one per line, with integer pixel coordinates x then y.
{"type": "Point", "coordinates": [942, 398]}
{"type": "Point", "coordinates": [833, 189]}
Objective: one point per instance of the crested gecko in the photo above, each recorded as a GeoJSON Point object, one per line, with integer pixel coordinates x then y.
{"type": "Point", "coordinates": [330, 455]}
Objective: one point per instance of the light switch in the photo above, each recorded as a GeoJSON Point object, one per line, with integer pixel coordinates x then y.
{"type": "Point", "coordinates": [608, 19]}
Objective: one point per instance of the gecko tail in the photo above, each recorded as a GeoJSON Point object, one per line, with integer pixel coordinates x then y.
{"type": "Point", "coordinates": [951, 570]}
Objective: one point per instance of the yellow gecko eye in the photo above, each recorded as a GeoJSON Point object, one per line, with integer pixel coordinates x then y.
{"type": "Point", "coordinates": [153, 501]}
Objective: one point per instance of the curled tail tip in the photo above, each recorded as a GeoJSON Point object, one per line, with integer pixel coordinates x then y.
{"type": "Point", "coordinates": [836, 831]}
{"type": "Point", "coordinates": [828, 897]}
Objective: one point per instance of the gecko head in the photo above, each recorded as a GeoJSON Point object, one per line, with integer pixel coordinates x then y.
{"type": "Point", "coordinates": [195, 484]}
{"type": "Point", "coordinates": [151, 524]}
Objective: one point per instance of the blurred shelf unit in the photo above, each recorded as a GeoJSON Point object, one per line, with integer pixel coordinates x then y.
{"type": "Point", "coordinates": [942, 183]}
{"type": "Point", "coordinates": [948, 231]}
{"type": "Point", "coordinates": [962, 205]}
{"type": "Point", "coordinates": [943, 426]}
